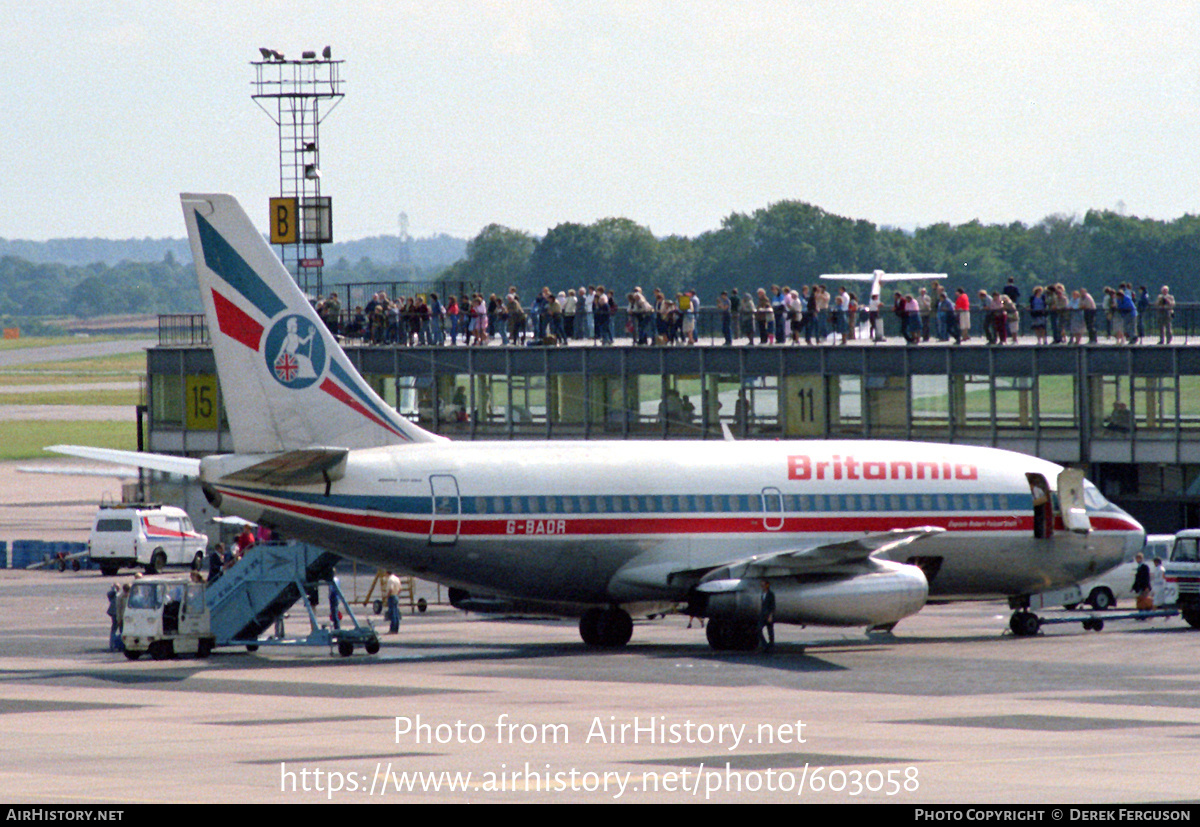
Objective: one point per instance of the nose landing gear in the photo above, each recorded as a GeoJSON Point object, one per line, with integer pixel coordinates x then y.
{"type": "Point", "coordinates": [1024, 623]}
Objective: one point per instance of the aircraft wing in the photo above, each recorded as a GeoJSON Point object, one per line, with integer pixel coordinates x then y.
{"type": "Point", "coordinates": [883, 276]}
{"type": "Point", "coordinates": [827, 557]}
{"type": "Point", "coordinates": [184, 466]}
{"type": "Point", "coordinates": [847, 552]}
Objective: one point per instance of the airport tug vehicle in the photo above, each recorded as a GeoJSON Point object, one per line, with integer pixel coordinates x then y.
{"type": "Point", "coordinates": [166, 615]}
{"type": "Point", "coordinates": [169, 615]}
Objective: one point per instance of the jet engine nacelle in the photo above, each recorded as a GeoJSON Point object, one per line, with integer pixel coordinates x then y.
{"type": "Point", "coordinates": [877, 598]}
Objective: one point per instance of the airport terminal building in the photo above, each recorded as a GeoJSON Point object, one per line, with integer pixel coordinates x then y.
{"type": "Point", "coordinates": [1130, 416]}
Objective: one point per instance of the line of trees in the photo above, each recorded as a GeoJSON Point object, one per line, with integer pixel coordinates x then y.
{"type": "Point", "coordinates": [32, 290]}
{"type": "Point", "coordinates": [792, 242]}
{"type": "Point", "coordinates": [789, 242]}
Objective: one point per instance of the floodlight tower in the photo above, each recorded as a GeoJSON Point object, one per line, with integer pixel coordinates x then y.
{"type": "Point", "coordinates": [293, 93]}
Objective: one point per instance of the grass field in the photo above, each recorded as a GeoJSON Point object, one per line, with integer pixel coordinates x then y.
{"type": "Point", "coordinates": [47, 341]}
{"type": "Point", "coordinates": [16, 378]}
{"type": "Point", "coordinates": [127, 367]}
{"type": "Point", "coordinates": [127, 364]}
{"type": "Point", "coordinates": [26, 439]}
{"type": "Point", "coordinates": [82, 396]}
{"type": "Point", "coordinates": [23, 439]}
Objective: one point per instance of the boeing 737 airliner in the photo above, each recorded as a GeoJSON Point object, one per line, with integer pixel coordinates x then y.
{"type": "Point", "coordinates": [848, 533]}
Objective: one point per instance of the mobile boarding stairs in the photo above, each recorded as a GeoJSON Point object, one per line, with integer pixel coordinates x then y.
{"type": "Point", "coordinates": [255, 593]}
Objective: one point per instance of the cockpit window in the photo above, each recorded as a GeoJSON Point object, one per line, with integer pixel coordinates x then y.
{"type": "Point", "coordinates": [1092, 498]}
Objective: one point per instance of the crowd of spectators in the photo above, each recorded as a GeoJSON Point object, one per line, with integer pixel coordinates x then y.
{"type": "Point", "coordinates": [586, 313]}
{"type": "Point", "coordinates": [775, 316]}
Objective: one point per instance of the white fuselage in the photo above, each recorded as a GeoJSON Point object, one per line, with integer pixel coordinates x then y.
{"type": "Point", "coordinates": [587, 523]}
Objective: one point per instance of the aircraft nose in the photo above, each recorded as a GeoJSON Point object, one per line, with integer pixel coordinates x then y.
{"type": "Point", "coordinates": [1135, 534]}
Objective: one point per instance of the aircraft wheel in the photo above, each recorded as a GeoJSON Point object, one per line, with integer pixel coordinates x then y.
{"type": "Point", "coordinates": [1024, 624]}
{"type": "Point", "coordinates": [345, 648]}
{"type": "Point", "coordinates": [726, 635]}
{"type": "Point", "coordinates": [162, 650]}
{"type": "Point", "coordinates": [1101, 600]}
{"type": "Point", "coordinates": [609, 628]}
{"type": "Point", "coordinates": [1191, 614]}
{"type": "Point", "coordinates": [133, 654]}
{"type": "Point", "coordinates": [589, 627]}
{"type": "Point", "coordinates": [717, 633]}
{"type": "Point", "coordinates": [745, 636]}
{"type": "Point", "coordinates": [616, 628]}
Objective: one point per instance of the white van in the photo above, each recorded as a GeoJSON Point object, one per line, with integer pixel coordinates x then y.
{"type": "Point", "coordinates": [145, 534]}
{"type": "Point", "coordinates": [1105, 590]}
{"type": "Point", "coordinates": [1183, 572]}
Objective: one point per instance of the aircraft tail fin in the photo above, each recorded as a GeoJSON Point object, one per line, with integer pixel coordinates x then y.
{"type": "Point", "coordinates": [285, 381]}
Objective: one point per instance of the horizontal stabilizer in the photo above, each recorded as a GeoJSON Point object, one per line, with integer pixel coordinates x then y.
{"type": "Point", "coordinates": [184, 466]}
{"type": "Point", "coordinates": [308, 466]}
{"type": "Point", "coordinates": [121, 472]}
{"type": "Point", "coordinates": [234, 521]}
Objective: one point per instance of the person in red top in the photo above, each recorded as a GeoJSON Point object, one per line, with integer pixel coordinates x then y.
{"type": "Point", "coordinates": [245, 540]}
{"type": "Point", "coordinates": [452, 318]}
{"type": "Point", "coordinates": [962, 306]}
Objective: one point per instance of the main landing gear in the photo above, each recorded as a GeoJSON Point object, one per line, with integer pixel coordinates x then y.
{"type": "Point", "coordinates": [732, 635]}
{"type": "Point", "coordinates": [606, 628]}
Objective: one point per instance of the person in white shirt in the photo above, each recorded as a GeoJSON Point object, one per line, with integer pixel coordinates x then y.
{"type": "Point", "coordinates": [589, 321]}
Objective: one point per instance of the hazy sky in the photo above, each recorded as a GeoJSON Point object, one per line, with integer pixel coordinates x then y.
{"type": "Point", "coordinates": [673, 114]}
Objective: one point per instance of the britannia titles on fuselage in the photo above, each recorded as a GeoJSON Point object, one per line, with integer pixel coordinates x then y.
{"type": "Point", "coordinates": [837, 467]}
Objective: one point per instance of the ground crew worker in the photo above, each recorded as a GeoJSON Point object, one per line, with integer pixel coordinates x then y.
{"type": "Point", "coordinates": [393, 602]}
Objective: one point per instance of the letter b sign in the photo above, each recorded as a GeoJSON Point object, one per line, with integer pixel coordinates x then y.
{"type": "Point", "coordinates": [283, 221]}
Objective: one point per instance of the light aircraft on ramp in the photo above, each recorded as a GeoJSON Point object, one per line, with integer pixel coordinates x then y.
{"type": "Point", "coordinates": [848, 533]}
{"type": "Point", "coordinates": [878, 277]}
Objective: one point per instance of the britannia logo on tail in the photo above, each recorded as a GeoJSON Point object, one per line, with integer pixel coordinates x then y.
{"type": "Point", "coordinates": [295, 352]}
